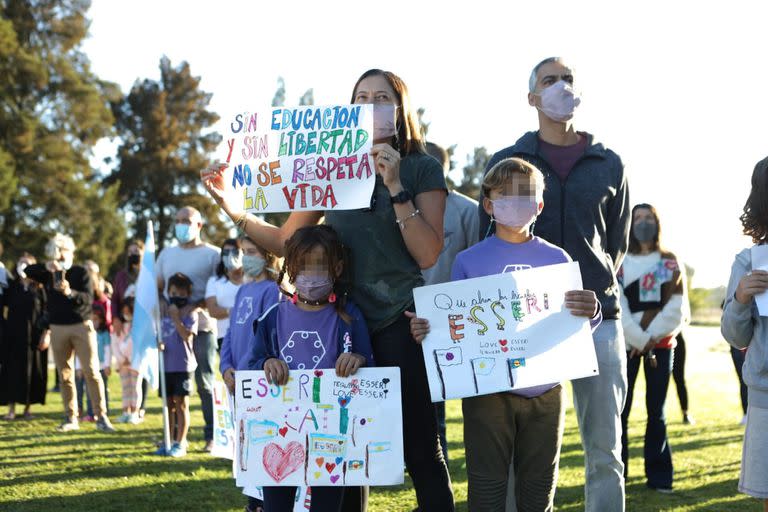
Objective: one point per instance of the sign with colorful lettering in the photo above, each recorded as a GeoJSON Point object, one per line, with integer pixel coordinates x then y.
{"type": "Point", "coordinates": [319, 429]}
{"type": "Point", "coordinates": [504, 332]}
{"type": "Point", "coordinates": [223, 422]}
{"type": "Point", "coordinates": [300, 159]}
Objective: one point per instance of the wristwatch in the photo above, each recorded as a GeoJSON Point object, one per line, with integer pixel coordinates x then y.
{"type": "Point", "coordinates": [401, 197]}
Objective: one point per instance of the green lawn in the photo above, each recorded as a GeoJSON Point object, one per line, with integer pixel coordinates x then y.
{"type": "Point", "coordinates": [87, 470]}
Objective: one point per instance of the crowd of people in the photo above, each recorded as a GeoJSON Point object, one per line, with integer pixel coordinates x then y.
{"type": "Point", "coordinates": [555, 195]}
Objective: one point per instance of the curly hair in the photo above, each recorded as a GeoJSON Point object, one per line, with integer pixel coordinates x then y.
{"type": "Point", "coordinates": [755, 216]}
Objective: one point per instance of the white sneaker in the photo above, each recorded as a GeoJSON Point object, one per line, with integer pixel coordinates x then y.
{"type": "Point", "coordinates": [124, 418]}
{"type": "Point", "coordinates": [743, 420]}
{"type": "Point", "coordinates": [69, 425]}
{"type": "Point", "coordinates": [134, 419]}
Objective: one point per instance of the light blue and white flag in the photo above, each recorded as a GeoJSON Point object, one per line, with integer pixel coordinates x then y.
{"type": "Point", "coordinates": [146, 315]}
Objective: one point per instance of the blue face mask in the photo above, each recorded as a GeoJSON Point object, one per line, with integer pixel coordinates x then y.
{"type": "Point", "coordinates": [253, 265]}
{"type": "Point", "coordinates": [184, 233]}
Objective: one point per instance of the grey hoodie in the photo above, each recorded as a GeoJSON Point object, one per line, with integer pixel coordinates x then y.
{"type": "Point", "coordinates": [587, 215]}
{"type": "Point", "coordinates": [743, 327]}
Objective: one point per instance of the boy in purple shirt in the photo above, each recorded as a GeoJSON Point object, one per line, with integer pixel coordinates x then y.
{"type": "Point", "coordinates": [179, 326]}
{"type": "Point", "coordinates": [523, 427]}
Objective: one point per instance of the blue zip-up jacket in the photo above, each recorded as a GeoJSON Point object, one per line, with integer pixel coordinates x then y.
{"type": "Point", "coordinates": [267, 346]}
{"type": "Point", "coordinates": [588, 215]}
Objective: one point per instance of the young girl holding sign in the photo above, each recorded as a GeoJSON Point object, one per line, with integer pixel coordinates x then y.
{"type": "Point", "coordinates": [523, 427]}
{"type": "Point", "coordinates": [389, 243]}
{"type": "Point", "coordinates": [743, 325]}
{"type": "Point", "coordinates": [338, 336]}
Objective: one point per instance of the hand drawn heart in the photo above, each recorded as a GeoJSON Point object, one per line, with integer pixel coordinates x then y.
{"type": "Point", "coordinates": [318, 373]}
{"type": "Point", "coordinates": [502, 342]}
{"type": "Point", "coordinates": [338, 460]}
{"type": "Point", "coordinates": [317, 475]}
{"type": "Point", "coordinates": [319, 461]}
{"type": "Point", "coordinates": [385, 381]}
{"type": "Point", "coordinates": [344, 400]}
{"type": "Point", "coordinates": [335, 478]}
{"type": "Point", "coordinates": [329, 467]}
{"type": "Point", "coordinates": [283, 431]}
{"type": "Point", "coordinates": [504, 349]}
{"type": "Point", "coordinates": [279, 462]}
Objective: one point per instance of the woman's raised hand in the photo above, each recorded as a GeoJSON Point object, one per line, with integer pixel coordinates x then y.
{"type": "Point", "coordinates": [213, 181]}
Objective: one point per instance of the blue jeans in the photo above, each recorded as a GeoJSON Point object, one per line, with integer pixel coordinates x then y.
{"type": "Point", "coordinates": [598, 402]}
{"type": "Point", "coordinates": [204, 346]}
{"type": "Point", "coordinates": [658, 456]}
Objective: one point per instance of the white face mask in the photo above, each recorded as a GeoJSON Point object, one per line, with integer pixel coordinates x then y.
{"type": "Point", "coordinates": [559, 101]}
{"type": "Point", "coordinates": [20, 270]}
{"type": "Point", "coordinates": [66, 262]}
{"type": "Point", "coordinates": [515, 211]}
{"type": "Point", "coordinates": [233, 260]}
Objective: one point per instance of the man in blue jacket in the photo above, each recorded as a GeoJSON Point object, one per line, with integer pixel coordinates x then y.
{"type": "Point", "coordinates": [586, 212]}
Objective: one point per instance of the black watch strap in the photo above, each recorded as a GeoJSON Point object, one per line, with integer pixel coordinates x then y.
{"type": "Point", "coordinates": [401, 197]}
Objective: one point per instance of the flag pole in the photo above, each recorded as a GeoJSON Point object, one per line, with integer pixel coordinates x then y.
{"type": "Point", "coordinates": [161, 362]}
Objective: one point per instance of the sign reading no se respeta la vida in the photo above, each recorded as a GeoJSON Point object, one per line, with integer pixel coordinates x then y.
{"type": "Point", "coordinates": [504, 332]}
{"type": "Point", "coordinates": [300, 159]}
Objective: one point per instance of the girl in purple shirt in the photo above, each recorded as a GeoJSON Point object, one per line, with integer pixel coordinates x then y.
{"type": "Point", "coordinates": [316, 329]}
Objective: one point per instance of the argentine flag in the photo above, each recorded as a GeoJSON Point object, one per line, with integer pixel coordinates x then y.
{"type": "Point", "coordinates": [146, 315]}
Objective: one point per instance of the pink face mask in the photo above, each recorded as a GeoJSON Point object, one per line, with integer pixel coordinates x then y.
{"type": "Point", "coordinates": [515, 211]}
{"type": "Point", "coordinates": [559, 101]}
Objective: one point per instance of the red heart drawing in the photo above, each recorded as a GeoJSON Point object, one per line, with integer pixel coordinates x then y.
{"type": "Point", "coordinates": [329, 467]}
{"type": "Point", "coordinates": [319, 461]}
{"type": "Point", "coordinates": [283, 431]}
{"type": "Point", "coordinates": [318, 373]}
{"type": "Point", "coordinates": [335, 478]}
{"type": "Point", "coordinates": [504, 349]}
{"type": "Point", "coordinates": [279, 462]}
{"type": "Point", "coordinates": [502, 342]}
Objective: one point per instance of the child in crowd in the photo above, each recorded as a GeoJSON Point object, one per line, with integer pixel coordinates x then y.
{"type": "Point", "coordinates": [179, 326]}
{"type": "Point", "coordinates": [314, 260]}
{"type": "Point", "coordinates": [103, 352]}
{"type": "Point", "coordinates": [522, 429]}
{"type": "Point", "coordinates": [744, 325]}
{"type": "Point", "coordinates": [252, 299]}
{"type": "Point", "coordinates": [122, 348]}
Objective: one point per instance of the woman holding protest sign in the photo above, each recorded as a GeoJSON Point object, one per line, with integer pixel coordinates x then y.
{"type": "Point", "coordinates": [388, 243]}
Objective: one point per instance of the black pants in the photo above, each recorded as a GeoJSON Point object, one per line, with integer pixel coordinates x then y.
{"type": "Point", "coordinates": [281, 499]}
{"type": "Point", "coordinates": [394, 346]}
{"type": "Point", "coordinates": [678, 372]}
{"type": "Point", "coordinates": [738, 361]}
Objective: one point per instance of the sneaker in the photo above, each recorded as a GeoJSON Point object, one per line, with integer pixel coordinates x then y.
{"type": "Point", "coordinates": [69, 425]}
{"type": "Point", "coordinates": [177, 450]}
{"type": "Point", "coordinates": [88, 418]}
{"type": "Point", "coordinates": [208, 446]}
{"type": "Point", "coordinates": [743, 420]}
{"type": "Point", "coordinates": [161, 450]}
{"type": "Point", "coordinates": [104, 424]}
{"type": "Point", "coordinates": [135, 419]}
{"type": "Point", "coordinates": [688, 419]}
{"type": "Point", "coordinates": [662, 490]}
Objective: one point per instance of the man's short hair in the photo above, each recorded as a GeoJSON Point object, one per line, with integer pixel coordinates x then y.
{"type": "Point", "coordinates": [440, 154]}
{"type": "Point", "coordinates": [535, 72]}
{"type": "Point", "coordinates": [58, 242]}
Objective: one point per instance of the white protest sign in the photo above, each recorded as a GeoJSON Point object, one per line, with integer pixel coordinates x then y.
{"type": "Point", "coordinates": [223, 424]}
{"type": "Point", "coordinates": [504, 332]}
{"type": "Point", "coordinates": [319, 429]}
{"type": "Point", "coordinates": [300, 159]}
{"type": "Point", "coordinates": [760, 262]}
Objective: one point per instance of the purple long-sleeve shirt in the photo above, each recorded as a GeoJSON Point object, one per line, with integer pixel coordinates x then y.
{"type": "Point", "coordinates": [495, 256]}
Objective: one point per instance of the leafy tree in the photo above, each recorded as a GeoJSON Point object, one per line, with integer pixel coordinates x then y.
{"type": "Point", "coordinates": [54, 109]}
{"type": "Point", "coordinates": [163, 127]}
{"type": "Point", "coordinates": [473, 172]}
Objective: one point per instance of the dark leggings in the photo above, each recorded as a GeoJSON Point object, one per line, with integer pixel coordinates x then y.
{"type": "Point", "coordinates": [394, 346]}
{"type": "Point", "coordinates": [738, 361]}
{"type": "Point", "coordinates": [282, 499]}
{"type": "Point", "coordinates": [678, 372]}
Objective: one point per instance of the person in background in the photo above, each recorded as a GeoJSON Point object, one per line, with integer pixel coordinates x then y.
{"type": "Point", "coordinates": [198, 261]}
{"type": "Point", "coordinates": [654, 303]}
{"type": "Point", "coordinates": [24, 357]}
{"type": "Point", "coordinates": [678, 375]}
{"type": "Point", "coordinates": [69, 291]}
{"type": "Point", "coordinates": [586, 213]}
{"type": "Point", "coordinates": [221, 288]}
{"type": "Point", "coordinates": [743, 327]}
{"type": "Point", "coordinates": [122, 348]}
{"type": "Point", "coordinates": [460, 232]}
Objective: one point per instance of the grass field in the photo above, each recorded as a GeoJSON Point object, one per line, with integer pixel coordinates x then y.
{"type": "Point", "coordinates": [87, 470]}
